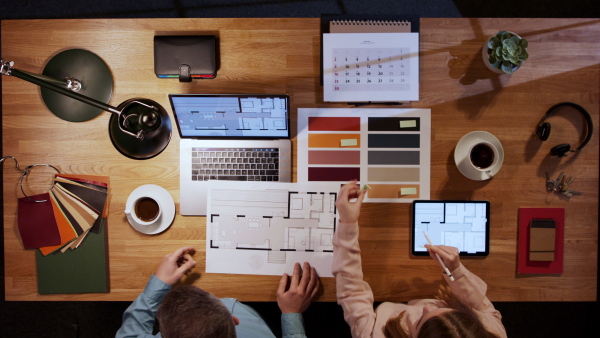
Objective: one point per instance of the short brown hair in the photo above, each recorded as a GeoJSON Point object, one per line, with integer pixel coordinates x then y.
{"type": "Point", "coordinates": [188, 311]}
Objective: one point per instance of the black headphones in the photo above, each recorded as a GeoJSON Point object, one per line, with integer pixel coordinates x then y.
{"type": "Point", "coordinates": [543, 129]}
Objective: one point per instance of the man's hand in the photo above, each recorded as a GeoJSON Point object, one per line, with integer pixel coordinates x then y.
{"type": "Point", "coordinates": [349, 211]}
{"type": "Point", "coordinates": [175, 265]}
{"type": "Point", "coordinates": [303, 287]}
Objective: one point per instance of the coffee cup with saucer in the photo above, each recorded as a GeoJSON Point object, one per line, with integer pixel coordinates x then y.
{"type": "Point", "coordinates": [479, 155]}
{"type": "Point", "coordinates": [150, 209]}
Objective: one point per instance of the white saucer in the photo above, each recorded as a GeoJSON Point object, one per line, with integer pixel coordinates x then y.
{"type": "Point", "coordinates": [461, 155]}
{"type": "Point", "coordinates": [167, 205]}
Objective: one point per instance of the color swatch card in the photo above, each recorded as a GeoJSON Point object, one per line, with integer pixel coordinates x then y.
{"type": "Point", "coordinates": [377, 67]}
{"type": "Point", "coordinates": [388, 149]}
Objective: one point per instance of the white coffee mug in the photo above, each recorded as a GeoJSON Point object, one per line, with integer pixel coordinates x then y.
{"type": "Point", "coordinates": [145, 210]}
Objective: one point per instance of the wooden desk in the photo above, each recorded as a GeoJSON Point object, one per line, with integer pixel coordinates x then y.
{"type": "Point", "coordinates": [282, 56]}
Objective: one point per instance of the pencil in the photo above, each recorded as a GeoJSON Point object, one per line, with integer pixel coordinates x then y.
{"type": "Point", "coordinates": [438, 257]}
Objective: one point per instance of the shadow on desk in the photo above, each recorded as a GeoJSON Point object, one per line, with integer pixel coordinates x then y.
{"type": "Point", "coordinates": [457, 186]}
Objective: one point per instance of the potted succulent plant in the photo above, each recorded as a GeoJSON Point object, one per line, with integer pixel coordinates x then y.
{"type": "Point", "coordinates": [505, 52]}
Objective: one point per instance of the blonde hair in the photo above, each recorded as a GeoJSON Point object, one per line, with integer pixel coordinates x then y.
{"type": "Point", "coordinates": [461, 321]}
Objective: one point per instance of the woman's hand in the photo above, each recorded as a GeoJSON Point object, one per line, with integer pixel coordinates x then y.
{"type": "Point", "coordinates": [347, 209]}
{"type": "Point", "coordinates": [448, 254]}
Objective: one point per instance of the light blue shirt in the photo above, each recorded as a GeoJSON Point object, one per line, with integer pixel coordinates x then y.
{"type": "Point", "coordinates": [138, 319]}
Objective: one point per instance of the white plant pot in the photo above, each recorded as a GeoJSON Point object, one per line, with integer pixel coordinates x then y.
{"type": "Point", "coordinates": [485, 56]}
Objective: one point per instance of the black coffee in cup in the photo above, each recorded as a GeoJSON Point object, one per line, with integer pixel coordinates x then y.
{"type": "Point", "coordinates": [482, 156]}
{"type": "Point", "coordinates": [146, 209]}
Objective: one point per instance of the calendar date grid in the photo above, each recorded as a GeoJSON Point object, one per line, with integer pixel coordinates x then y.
{"type": "Point", "coordinates": [360, 69]}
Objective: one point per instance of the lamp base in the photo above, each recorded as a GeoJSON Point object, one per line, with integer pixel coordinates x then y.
{"type": "Point", "coordinates": [91, 71]}
{"type": "Point", "coordinates": [154, 142]}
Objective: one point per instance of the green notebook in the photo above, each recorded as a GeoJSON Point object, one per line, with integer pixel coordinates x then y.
{"type": "Point", "coordinates": [83, 270]}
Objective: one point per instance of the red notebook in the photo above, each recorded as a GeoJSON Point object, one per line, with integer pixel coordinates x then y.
{"type": "Point", "coordinates": [525, 266]}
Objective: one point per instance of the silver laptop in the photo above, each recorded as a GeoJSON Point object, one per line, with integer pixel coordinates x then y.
{"type": "Point", "coordinates": [230, 137]}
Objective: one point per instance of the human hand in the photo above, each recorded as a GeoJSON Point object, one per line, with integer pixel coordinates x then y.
{"type": "Point", "coordinates": [448, 254]}
{"type": "Point", "coordinates": [303, 287]}
{"type": "Point", "coordinates": [175, 265]}
{"type": "Point", "coordinates": [349, 211]}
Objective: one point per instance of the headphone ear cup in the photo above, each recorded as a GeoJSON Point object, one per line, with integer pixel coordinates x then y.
{"type": "Point", "coordinates": [544, 131]}
{"type": "Point", "coordinates": [560, 150]}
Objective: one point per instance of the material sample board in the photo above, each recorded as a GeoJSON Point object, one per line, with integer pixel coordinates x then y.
{"type": "Point", "coordinates": [388, 149]}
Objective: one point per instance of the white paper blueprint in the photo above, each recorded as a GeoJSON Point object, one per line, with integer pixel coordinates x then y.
{"type": "Point", "coordinates": [264, 228]}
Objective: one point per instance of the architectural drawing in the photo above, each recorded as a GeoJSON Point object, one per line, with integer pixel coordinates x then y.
{"type": "Point", "coordinates": [264, 227]}
{"type": "Point", "coordinates": [238, 116]}
{"type": "Point", "coordinates": [460, 225]}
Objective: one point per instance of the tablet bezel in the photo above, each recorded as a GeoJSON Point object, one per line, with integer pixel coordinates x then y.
{"type": "Point", "coordinates": [462, 253]}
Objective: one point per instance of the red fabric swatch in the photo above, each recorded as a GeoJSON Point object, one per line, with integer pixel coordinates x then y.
{"type": "Point", "coordinates": [37, 225]}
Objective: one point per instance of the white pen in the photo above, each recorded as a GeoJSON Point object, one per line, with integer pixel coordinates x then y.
{"type": "Point", "coordinates": [438, 257]}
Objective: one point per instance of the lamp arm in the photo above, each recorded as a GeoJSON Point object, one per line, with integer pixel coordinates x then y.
{"type": "Point", "coordinates": [61, 83]}
{"type": "Point", "coordinates": [43, 83]}
{"type": "Point", "coordinates": [148, 120]}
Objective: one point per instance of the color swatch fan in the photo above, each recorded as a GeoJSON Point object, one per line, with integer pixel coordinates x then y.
{"type": "Point", "coordinates": [72, 255]}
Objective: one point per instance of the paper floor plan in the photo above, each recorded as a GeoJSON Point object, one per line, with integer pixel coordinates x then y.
{"type": "Point", "coordinates": [254, 230]}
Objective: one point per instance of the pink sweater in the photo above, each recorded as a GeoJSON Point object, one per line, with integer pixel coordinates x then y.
{"type": "Point", "coordinates": [356, 298]}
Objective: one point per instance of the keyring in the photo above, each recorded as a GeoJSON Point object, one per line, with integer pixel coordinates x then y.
{"type": "Point", "coordinates": [27, 171]}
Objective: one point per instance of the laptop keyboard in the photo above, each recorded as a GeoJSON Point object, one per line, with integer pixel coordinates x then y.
{"type": "Point", "coordinates": [235, 164]}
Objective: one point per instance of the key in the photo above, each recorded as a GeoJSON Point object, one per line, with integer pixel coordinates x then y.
{"type": "Point", "coordinates": [564, 184]}
{"type": "Point", "coordinates": [571, 193]}
{"type": "Point", "coordinates": [560, 177]}
{"type": "Point", "coordinates": [232, 178]}
{"type": "Point", "coordinates": [557, 181]}
{"type": "Point", "coordinates": [561, 185]}
{"type": "Point", "coordinates": [551, 185]}
{"type": "Point", "coordinates": [548, 182]}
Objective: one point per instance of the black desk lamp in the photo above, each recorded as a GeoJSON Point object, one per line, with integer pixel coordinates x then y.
{"type": "Point", "coordinates": [139, 128]}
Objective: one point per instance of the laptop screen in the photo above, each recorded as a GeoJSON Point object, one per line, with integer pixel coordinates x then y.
{"type": "Point", "coordinates": [231, 115]}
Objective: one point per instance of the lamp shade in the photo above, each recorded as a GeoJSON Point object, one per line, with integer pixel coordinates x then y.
{"type": "Point", "coordinates": [153, 143]}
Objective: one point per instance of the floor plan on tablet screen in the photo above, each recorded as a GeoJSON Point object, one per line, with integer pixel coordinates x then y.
{"type": "Point", "coordinates": [457, 224]}
{"type": "Point", "coordinates": [265, 227]}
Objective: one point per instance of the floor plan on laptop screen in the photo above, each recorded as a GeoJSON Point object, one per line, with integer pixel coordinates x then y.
{"type": "Point", "coordinates": [231, 116]}
{"type": "Point", "coordinates": [461, 225]}
{"type": "Point", "coordinates": [264, 228]}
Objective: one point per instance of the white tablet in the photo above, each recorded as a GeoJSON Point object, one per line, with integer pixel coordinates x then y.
{"type": "Point", "coordinates": [462, 224]}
